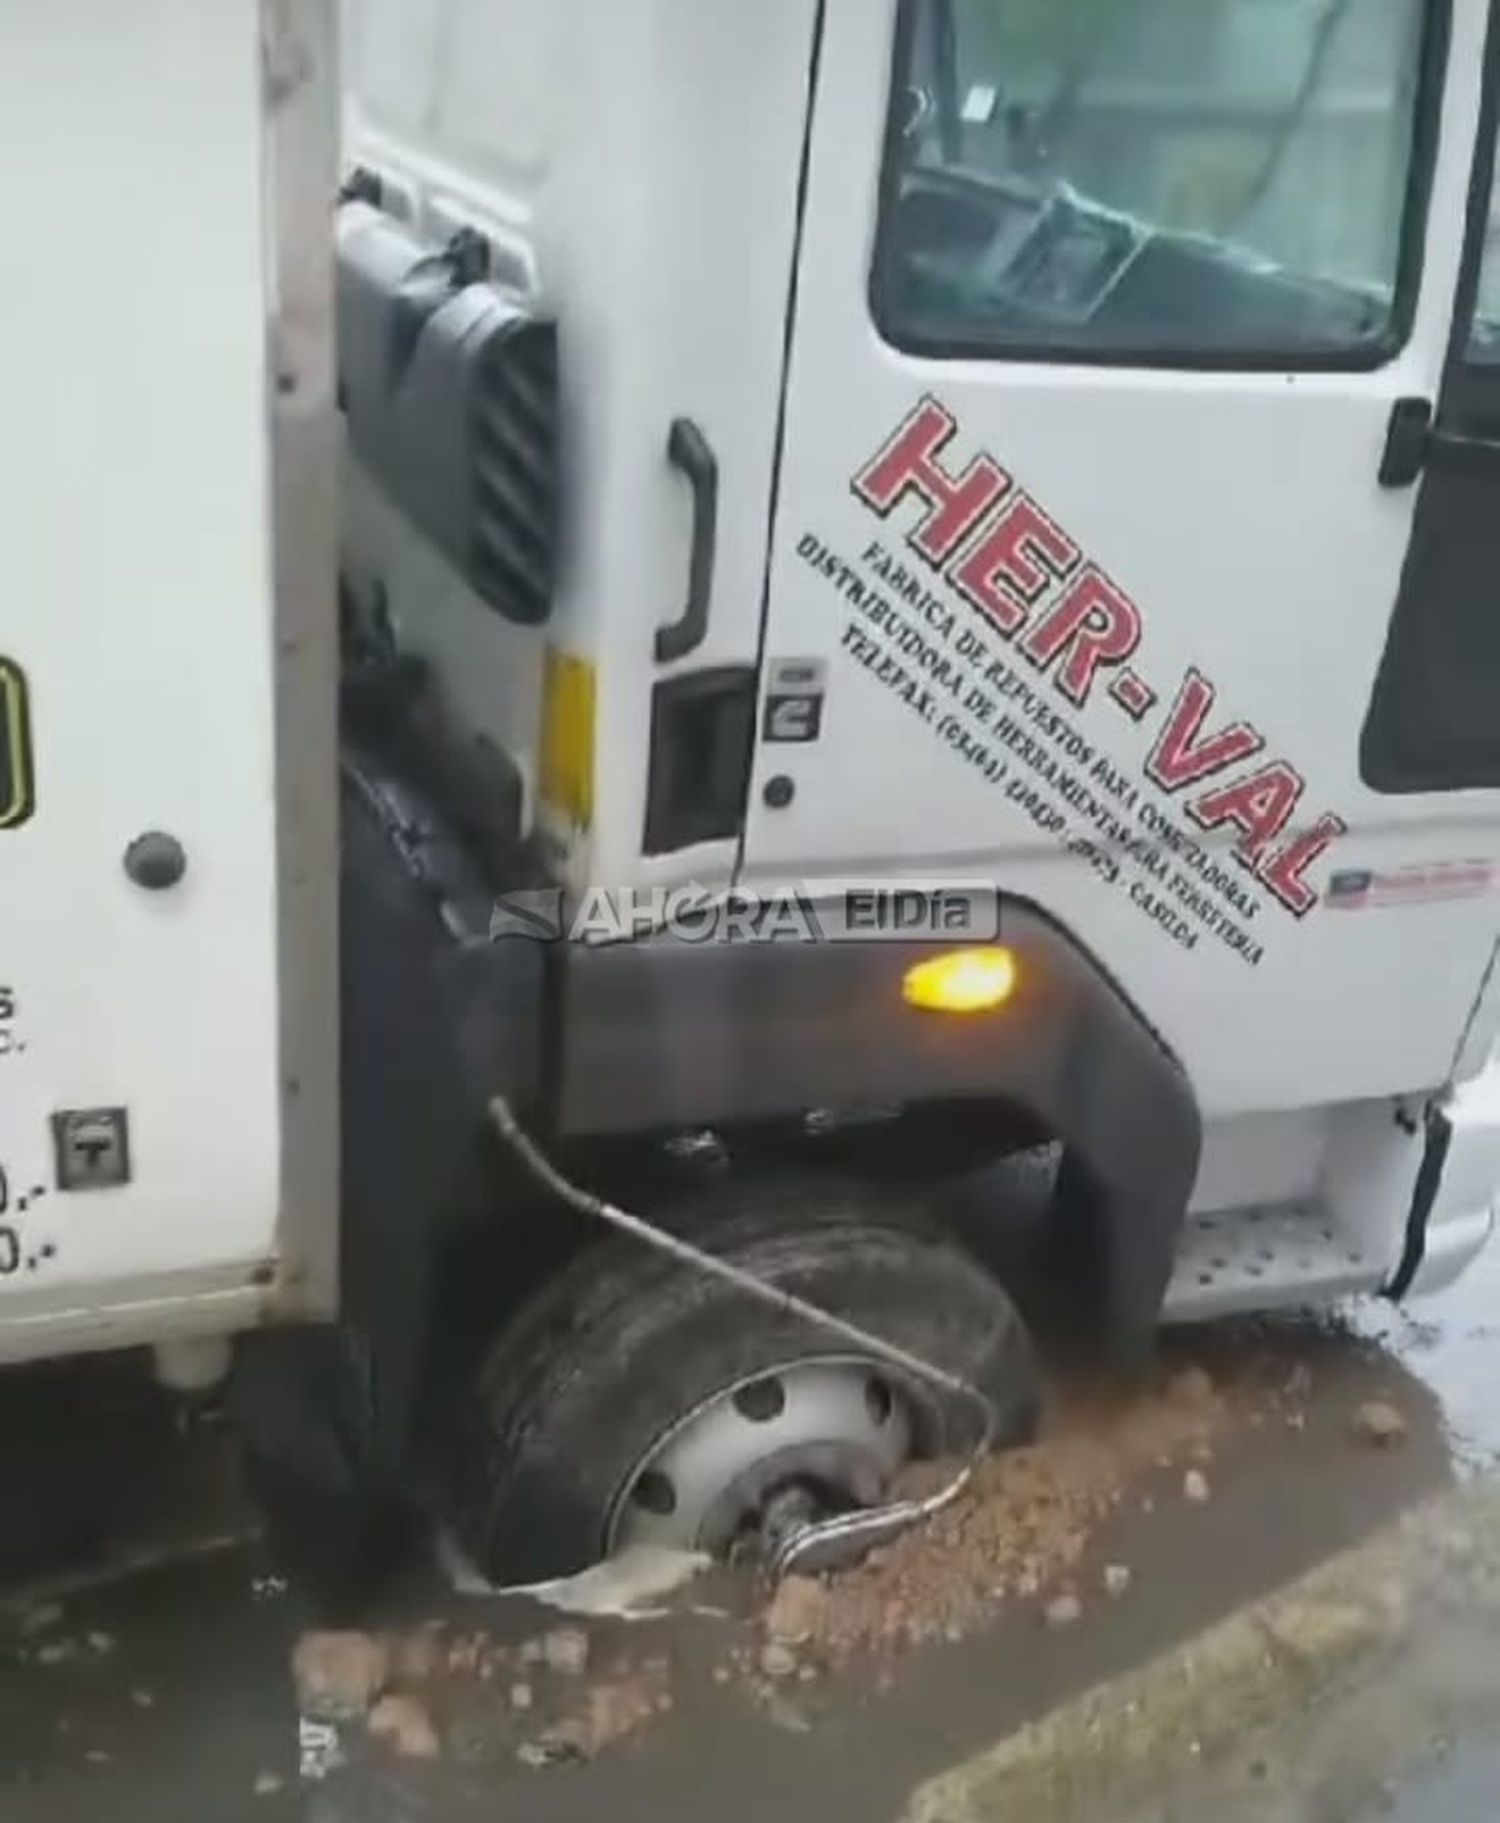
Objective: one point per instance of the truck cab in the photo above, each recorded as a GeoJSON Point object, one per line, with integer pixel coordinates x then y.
{"type": "Point", "coordinates": [1069, 437]}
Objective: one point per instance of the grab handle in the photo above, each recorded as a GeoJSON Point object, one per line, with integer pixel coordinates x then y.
{"type": "Point", "coordinates": [689, 452]}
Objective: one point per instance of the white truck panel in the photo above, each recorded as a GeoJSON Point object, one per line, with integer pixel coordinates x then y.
{"type": "Point", "coordinates": [149, 602]}
{"type": "Point", "coordinates": [643, 161]}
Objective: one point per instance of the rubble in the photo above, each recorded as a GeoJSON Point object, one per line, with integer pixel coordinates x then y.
{"type": "Point", "coordinates": [1064, 1611]}
{"type": "Point", "coordinates": [1379, 1423]}
{"type": "Point", "coordinates": [1026, 1531]}
{"type": "Point", "coordinates": [416, 1657]}
{"type": "Point", "coordinates": [404, 1724]}
{"type": "Point", "coordinates": [612, 1711]}
{"type": "Point", "coordinates": [339, 1675]}
{"type": "Point", "coordinates": [797, 1610]}
{"type": "Point", "coordinates": [1025, 1525]}
{"type": "Point", "coordinates": [566, 1651]}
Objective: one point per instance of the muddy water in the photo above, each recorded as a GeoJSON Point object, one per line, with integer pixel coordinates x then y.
{"type": "Point", "coordinates": [165, 1694]}
{"type": "Point", "coordinates": [1451, 1346]}
{"type": "Point", "coordinates": [1463, 1788]}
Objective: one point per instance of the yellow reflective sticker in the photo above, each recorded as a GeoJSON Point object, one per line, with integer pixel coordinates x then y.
{"type": "Point", "coordinates": [569, 705]}
{"type": "Point", "coordinates": [16, 792]}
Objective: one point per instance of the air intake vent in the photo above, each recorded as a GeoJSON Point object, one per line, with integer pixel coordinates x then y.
{"type": "Point", "coordinates": [449, 389]}
{"type": "Point", "coordinates": [515, 471]}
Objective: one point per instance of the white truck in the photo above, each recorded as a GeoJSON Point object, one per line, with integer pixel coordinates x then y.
{"type": "Point", "coordinates": [879, 583]}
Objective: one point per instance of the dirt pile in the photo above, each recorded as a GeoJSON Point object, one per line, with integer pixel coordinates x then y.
{"type": "Point", "coordinates": [1033, 1531]}
{"type": "Point", "coordinates": [1021, 1532]}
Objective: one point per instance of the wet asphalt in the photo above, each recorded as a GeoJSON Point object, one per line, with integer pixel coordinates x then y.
{"type": "Point", "coordinates": [1461, 1789]}
{"type": "Point", "coordinates": [161, 1691]}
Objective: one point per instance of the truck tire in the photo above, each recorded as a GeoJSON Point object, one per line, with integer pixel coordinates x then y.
{"type": "Point", "coordinates": [630, 1369]}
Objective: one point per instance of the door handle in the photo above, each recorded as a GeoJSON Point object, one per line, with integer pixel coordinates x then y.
{"type": "Point", "coordinates": [1406, 442]}
{"type": "Point", "coordinates": [690, 453]}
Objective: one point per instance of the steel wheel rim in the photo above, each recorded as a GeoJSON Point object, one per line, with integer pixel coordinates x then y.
{"type": "Point", "coordinates": [826, 1433]}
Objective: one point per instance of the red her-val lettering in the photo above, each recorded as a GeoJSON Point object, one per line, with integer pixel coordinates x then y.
{"type": "Point", "coordinates": [1025, 576]}
{"type": "Point", "coordinates": [1008, 570]}
{"type": "Point", "coordinates": [909, 464]}
{"type": "Point", "coordinates": [1095, 624]}
{"type": "Point", "coordinates": [1260, 807]}
{"type": "Point", "coordinates": [1183, 755]}
{"type": "Point", "coordinates": [1284, 872]}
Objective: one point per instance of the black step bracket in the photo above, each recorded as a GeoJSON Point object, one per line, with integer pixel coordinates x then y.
{"type": "Point", "coordinates": [702, 744]}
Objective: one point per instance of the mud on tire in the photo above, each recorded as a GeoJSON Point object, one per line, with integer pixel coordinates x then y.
{"type": "Point", "coordinates": [626, 1342]}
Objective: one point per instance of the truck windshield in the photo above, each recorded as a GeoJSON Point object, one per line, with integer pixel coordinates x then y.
{"type": "Point", "coordinates": [1195, 179]}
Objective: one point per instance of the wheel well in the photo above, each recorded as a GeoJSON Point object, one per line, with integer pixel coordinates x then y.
{"type": "Point", "coordinates": [656, 1034]}
{"type": "Point", "coordinates": [497, 1260]}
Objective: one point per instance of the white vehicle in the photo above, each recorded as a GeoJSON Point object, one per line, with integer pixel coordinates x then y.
{"type": "Point", "coordinates": [914, 580]}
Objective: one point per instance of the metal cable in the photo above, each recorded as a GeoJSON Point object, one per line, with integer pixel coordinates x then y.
{"type": "Point", "coordinates": [820, 1543]}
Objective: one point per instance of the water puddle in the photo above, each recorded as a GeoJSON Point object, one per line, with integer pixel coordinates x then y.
{"type": "Point", "coordinates": [1451, 1343]}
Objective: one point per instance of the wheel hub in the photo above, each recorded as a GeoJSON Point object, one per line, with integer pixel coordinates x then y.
{"type": "Point", "coordinates": [760, 1459]}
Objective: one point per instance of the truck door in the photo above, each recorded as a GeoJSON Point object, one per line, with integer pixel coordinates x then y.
{"type": "Point", "coordinates": [1088, 540]}
{"type": "Point", "coordinates": [1433, 725]}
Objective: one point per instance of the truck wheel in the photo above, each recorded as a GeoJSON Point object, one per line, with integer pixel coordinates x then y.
{"type": "Point", "coordinates": [636, 1401]}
